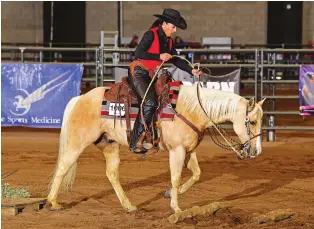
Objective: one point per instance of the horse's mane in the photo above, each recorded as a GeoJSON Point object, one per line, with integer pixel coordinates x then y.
{"type": "Point", "coordinates": [218, 104]}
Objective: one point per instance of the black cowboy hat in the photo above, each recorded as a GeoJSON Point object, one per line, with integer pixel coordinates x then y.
{"type": "Point", "coordinates": [174, 17]}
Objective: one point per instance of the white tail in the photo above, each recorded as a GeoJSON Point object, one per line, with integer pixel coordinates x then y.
{"type": "Point", "coordinates": [70, 176]}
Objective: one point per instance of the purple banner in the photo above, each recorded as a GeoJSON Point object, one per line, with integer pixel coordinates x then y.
{"type": "Point", "coordinates": [306, 90]}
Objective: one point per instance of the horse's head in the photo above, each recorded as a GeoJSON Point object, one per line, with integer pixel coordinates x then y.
{"type": "Point", "coordinates": [248, 126]}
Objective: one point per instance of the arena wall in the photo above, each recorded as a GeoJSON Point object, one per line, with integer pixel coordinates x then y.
{"type": "Point", "coordinates": [308, 22]}
{"type": "Point", "coordinates": [246, 22]}
{"type": "Point", "coordinates": [22, 21]}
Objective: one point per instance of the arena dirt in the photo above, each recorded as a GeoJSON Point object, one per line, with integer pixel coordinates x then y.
{"type": "Point", "coordinates": [281, 178]}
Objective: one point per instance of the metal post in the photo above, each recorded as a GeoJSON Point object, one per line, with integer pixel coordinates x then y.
{"type": "Point", "coordinates": [273, 85]}
{"type": "Point", "coordinates": [262, 79]}
{"type": "Point", "coordinates": [262, 72]}
{"type": "Point", "coordinates": [102, 57]}
{"type": "Point", "coordinates": [255, 74]}
{"type": "Point", "coordinates": [22, 55]}
{"type": "Point", "coordinates": [41, 56]}
{"type": "Point", "coordinates": [192, 58]}
{"type": "Point", "coordinates": [97, 66]}
{"type": "Point", "coordinates": [271, 136]}
{"type": "Point", "coordinates": [115, 55]}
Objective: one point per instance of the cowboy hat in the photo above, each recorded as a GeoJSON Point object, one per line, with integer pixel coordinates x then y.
{"type": "Point", "coordinates": [174, 17]}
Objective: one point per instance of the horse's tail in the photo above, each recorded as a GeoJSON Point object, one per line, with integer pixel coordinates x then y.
{"type": "Point", "coordinates": [69, 178]}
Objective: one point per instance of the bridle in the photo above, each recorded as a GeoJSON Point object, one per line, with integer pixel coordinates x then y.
{"type": "Point", "coordinates": [247, 145]}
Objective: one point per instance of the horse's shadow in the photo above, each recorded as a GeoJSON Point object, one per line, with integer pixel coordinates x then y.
{"type": "Point", "coordinates": [160, 178]}
{"type": "Point", "coordinates": [212, 169]}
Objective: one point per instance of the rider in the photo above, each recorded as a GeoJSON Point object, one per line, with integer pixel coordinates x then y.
{"type": "Point", "coordinates": [155, 46]}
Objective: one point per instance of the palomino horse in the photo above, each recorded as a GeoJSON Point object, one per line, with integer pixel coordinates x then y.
{"type": "Point", "coordinates": [82, 125]}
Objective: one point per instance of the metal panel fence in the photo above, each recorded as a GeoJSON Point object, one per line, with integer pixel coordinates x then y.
{"type": "Point", "coordinates": [262, 69]}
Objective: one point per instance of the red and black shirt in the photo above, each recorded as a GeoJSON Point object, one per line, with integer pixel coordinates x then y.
{"type": "Point", "coordinates": [143, 50]}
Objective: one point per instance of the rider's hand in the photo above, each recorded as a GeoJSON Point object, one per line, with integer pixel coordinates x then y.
{"type": "Point", "coordinates": [165, 56]}
{"type": "Point", "coordinates": [197, 72]}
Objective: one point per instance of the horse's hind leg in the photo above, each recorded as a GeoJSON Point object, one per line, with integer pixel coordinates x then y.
{"type": "Point", "coordinates": [195, 169]}
{"type": "Point", "coordinates": [111, 153]}
{"type": "Point", "coordinates": [65, 167]}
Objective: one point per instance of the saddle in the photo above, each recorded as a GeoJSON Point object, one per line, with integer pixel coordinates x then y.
{"type": "Point", "coordinates": [122, 92]}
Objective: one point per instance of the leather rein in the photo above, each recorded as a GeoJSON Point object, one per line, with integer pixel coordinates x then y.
{"type": "Point", "coordinates": [242, 148]}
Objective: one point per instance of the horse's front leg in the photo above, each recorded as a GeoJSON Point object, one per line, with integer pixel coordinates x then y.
{"type": "Point", "coordinates": [111, 153]}
{"type": "Point", "coordinates": [177, 157]}
{"type": "Point", "coordinates": [193, 166]}
{"type": "Point", "coordinates": [196, 172]}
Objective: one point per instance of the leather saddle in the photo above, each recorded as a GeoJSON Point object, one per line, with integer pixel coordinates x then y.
{"type": "Point", "coordinates": [122, 92]}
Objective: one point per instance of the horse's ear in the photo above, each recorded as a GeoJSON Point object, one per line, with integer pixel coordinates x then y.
{"type": "Point", "coordinates": [251, 104]}
{"type": "Point", "coordinates": [261, 102]}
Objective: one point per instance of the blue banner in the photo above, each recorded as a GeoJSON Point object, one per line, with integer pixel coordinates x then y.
{"type": "Point", "coordinates": [35, 95]}
{"type": "Point", "coordinates": [306, 90]}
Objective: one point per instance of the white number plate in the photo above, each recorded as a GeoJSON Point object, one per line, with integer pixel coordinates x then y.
{"type": "Point", "coordinates": [116, 109]}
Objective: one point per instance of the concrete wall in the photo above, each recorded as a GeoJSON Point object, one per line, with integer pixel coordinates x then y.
{"type": "Point", "coordinates": [308, 22]}
{"type": "Point", "coordinates": [22, 22]}
{"type": "Point", "coordinates": [100, 16]}
{"type": "Point", "coordinates": [245, 22]}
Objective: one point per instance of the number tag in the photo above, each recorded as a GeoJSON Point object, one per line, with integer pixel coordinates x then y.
{"type": "Point", "coordinates": [116, 109]}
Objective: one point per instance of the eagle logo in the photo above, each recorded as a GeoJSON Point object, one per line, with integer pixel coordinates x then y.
{"type": "Point", "coordinates": [25, 101]}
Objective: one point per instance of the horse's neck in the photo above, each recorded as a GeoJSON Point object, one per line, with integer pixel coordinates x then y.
{"type": "Point", "coordinates": [218, 106]}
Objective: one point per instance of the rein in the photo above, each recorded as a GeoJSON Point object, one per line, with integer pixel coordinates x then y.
{"type": "Point", "coordinates": [242, 147]}
{"type": "Point", "coordinates": [238, 148]}
{"type": "Point", "coordinates": [214, 124]}
{"type": "Point", "coordinates": [245, 147]}
{"type": "Point", "coordinates": [199, 133]}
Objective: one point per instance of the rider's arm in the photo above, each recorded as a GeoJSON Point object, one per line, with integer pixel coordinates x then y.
{"type": "Point", "coordinates": [182, 64]}
{"type": "Point", "coordinates": [144, 45]}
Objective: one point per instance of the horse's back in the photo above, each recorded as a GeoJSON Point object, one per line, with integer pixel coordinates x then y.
{"type": "Point", "coordinates": [95, 93]}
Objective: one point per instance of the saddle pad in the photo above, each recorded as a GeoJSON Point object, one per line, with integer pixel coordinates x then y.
{"type": "Point", "coordinates": [108, 108]}
{"type": "Point", "coordinates": [167, 114]}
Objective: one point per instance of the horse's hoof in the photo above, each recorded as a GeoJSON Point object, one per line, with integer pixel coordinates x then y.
{"type": "Point", "coordinates": [132, 209]}
{"type": "Point", "coordinates": [56, 208]}
{"type": "Point", "coordinates": [167, 194]}
{"type": "Point", "coordinates": [178, 211]}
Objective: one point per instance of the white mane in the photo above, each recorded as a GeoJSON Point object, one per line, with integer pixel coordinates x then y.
{"type": "Point", "coordinates": [218, 104]}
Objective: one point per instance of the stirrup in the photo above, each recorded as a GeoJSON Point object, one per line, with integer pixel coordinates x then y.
{"type": "Point", "coordinates": [148, 153]}
{"type": "Point", "coordinates": [147, 145]}
{"type": "Point", "coordinates": [139, 151]}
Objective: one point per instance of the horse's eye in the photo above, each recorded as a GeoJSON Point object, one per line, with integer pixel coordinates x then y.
{"type": "Point", "coordinates": [252, 123]}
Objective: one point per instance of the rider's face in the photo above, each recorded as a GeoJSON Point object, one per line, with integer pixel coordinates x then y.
{"type": "Point", "coordinates": [169, 28]}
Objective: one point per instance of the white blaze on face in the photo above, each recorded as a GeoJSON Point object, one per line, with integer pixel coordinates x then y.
{"type": "Point", "coordinates": [258, 145]}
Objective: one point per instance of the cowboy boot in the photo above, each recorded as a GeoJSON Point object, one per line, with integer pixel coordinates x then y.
{"type": "Point", "coordinates": [137, 134]}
